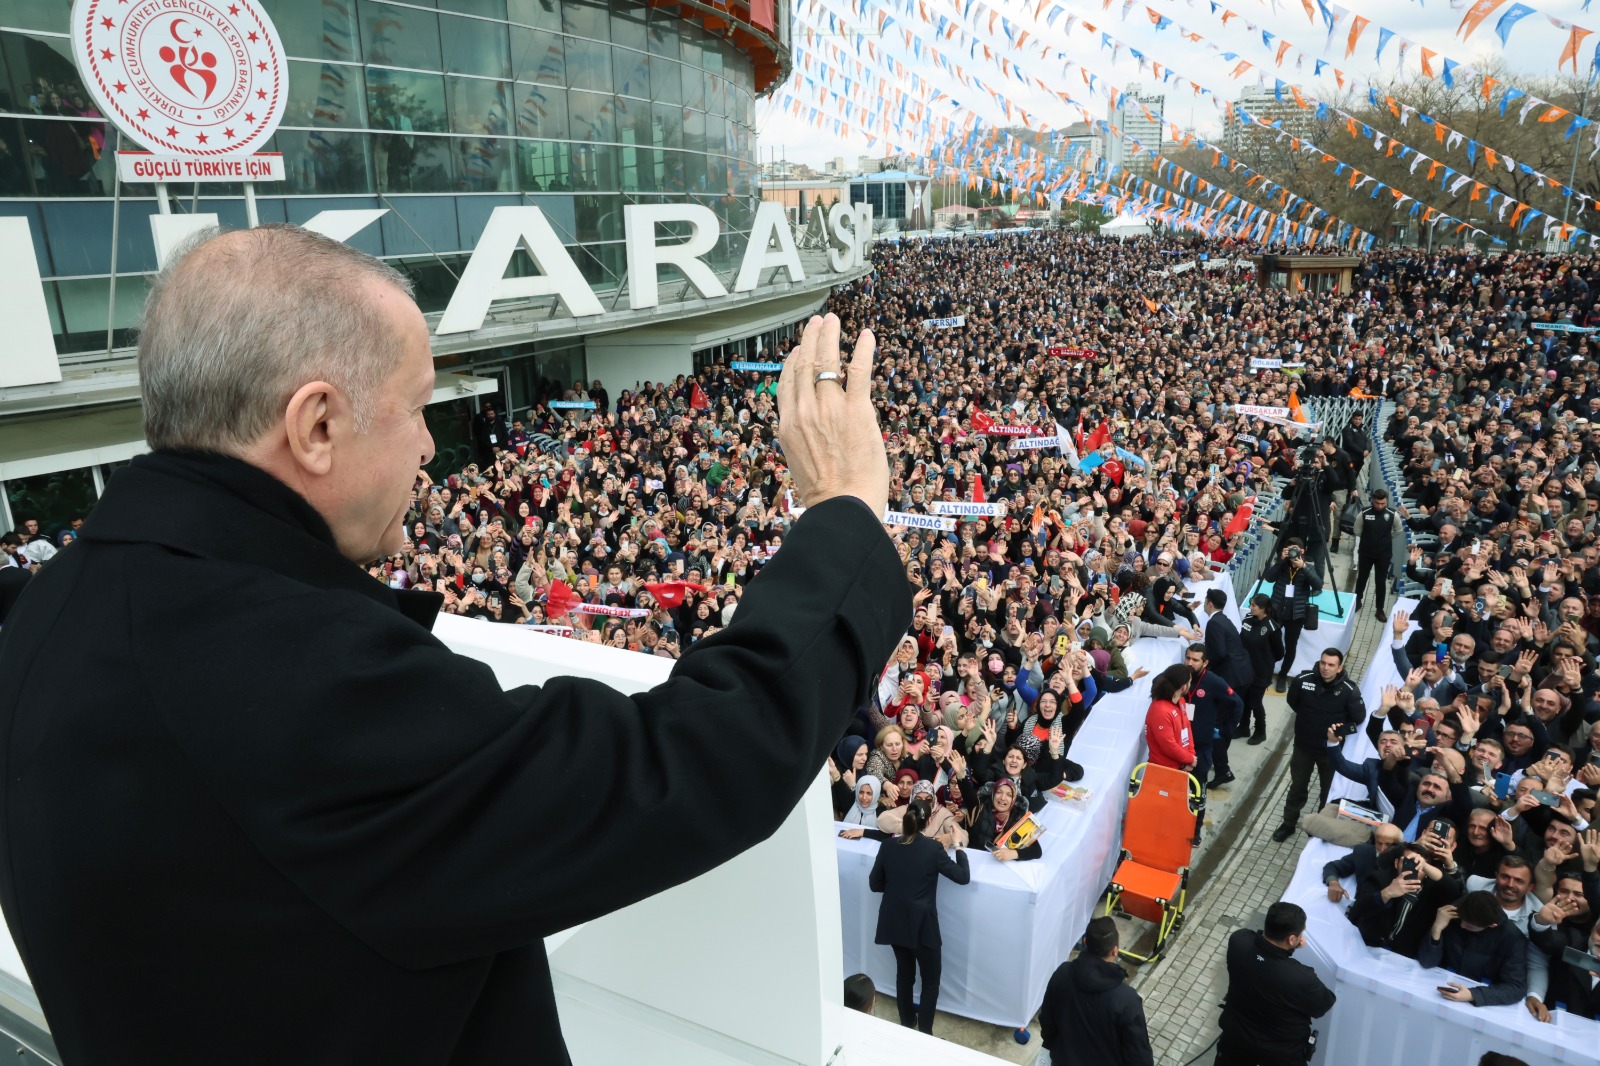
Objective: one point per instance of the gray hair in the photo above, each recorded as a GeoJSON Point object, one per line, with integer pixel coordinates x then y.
{"type": "Point", "coordinates": [236, 322]}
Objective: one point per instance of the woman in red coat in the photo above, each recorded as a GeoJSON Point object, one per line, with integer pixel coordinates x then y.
{"type": "Point", "coordinates": [1167, 729]}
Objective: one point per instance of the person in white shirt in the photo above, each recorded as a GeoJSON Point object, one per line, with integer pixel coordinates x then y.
{"type": "Point", "coordinates": [1511, 888]}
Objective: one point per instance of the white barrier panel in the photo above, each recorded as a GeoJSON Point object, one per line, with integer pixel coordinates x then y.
{"type": "Point", "coordinates": [1389, 1010]}
{"type": "Point", "coordinates": [1007, 931]}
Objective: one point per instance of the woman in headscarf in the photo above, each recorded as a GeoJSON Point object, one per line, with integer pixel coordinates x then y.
{"type": "Point", "coordinates": [1046, 725]}
{"type": "Point", "coordinates": [999, 810]}
{"type": "Point", "coordinates": [1016, 764]}
{"type": "Point", "coordinates": [864, 810]}
{"type": "Point", "coordinates": [939, 819]}
{"type": "Point", "coordinates": [849, 764]}
{"type": "Point", "coordinates": [905, 781]}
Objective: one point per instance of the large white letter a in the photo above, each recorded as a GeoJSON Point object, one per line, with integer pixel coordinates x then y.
{"type": "Point", "coordinates": [485, 281]}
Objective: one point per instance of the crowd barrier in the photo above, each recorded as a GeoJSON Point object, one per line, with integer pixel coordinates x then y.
{"type": "Point", "coordinates": [1389, 1009]}
{"type": "Point", "coordinates": [1007, 931]}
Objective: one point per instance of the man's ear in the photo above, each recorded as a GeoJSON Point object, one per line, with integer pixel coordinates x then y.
{"type": "Point", "coordinates": [307, 418]}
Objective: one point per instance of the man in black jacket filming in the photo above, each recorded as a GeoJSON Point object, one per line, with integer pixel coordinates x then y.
{"type": "Point", "coordinates": [1271, 1000]}
{"type": "Point", "coordinates": [1090, 1016]}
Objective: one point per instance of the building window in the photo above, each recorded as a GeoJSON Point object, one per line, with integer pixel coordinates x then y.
{"type": "Point", "coordinates": [400, 36]}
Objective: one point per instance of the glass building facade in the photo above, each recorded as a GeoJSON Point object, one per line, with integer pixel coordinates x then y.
{"type": "Point", "coordinates": [438, 110]}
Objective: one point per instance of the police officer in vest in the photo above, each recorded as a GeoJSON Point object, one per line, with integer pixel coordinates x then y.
{"type": "Point", "coordinates": [1272, 999]}
{"type": "Point", "coordinates": [1375, 531]}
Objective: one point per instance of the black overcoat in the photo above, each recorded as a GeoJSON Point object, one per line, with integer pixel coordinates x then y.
{"type": "Point", "coordinates": [908, 876]}
{"type": "Point", "coordinates": [255, 812]}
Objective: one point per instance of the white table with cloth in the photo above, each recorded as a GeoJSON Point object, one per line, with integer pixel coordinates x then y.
{"type": "Point", "coordinates": [1006, 931]}
{"type": "Point", "coordinates": [1389, 1009]}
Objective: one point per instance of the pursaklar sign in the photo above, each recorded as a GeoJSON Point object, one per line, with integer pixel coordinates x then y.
{"type": "Point", "coordinates": [30, 353]}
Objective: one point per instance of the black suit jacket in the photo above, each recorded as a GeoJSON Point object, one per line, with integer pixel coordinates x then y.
{"type": "Point", "coordinates": [908, 876]}
{"type": "Point", "coordinates": [1361, 863]}
{"type": "Point", "coordinates": [1225, 652]}
{"type": "Point", "coordinates": [254, 812]}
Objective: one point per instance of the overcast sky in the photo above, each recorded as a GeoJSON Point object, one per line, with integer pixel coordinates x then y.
{"type": "Point", "coordinates": [1534, 46]}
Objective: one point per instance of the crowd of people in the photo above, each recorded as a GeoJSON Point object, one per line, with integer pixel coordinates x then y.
{"type": "Point", "coordinates": [638, 523]}
{"type": "Point", "coordinates": [61, 158]}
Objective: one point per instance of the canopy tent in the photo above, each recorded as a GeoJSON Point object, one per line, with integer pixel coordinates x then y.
{"type": "Point", "coordinates": [1125, 226]}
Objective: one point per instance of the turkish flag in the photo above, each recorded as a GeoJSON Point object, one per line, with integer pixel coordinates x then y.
{"type": "Point", "coordinates": [1241, 518]}
{"type": "Point", "coordinates": [1101, 434]}
{"type": "Point", "coordinates": [1113, 469]}
{"type": "Point", "coordinates": [981, 423]}
{"type": "Point", "coordinates": [670, 594]}
{"type": "Point", "coordinates": [977, 489]}
{"type": "Point", "coordinates": [697, 398]}
{"type": "Point", "coordinates": [559, 599]}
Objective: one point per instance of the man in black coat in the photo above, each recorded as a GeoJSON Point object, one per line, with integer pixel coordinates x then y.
{"type": "Point", "coordinates": [1579, 985]}
{"type": "Point", "coordinates": [1361, 863]}
{"type": "Point", "coordinates": [1224, 648]}
{"type": "Point", "coordinates": [1356, 442]}
{"type": "Point", "coordinates": [489, 432]}
{"type": "Point", "coordinates": [1394, 908]}
{"type": "Point", "coordinates": [1271, 999]}
{"type": "Point", "coordinates": [1262, 637]}
{"type": "Point", "coordinates": [1340, 479]}
{"type": "Point", "coordinates": [1090, 1017]}
{"type": "Point", "coordinates": [1375, 530]}
{"type": "Point", "coordinates": [1320, 698]}
{"type": "Point", "coordinates": [292, 824]}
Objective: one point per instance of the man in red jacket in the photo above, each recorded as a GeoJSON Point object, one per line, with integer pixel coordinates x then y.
{"type": "Point", "coordinates": [1167, 730]}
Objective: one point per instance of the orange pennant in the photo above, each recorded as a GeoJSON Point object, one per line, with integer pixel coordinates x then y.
{"type": "Point", "coordinates": [1480, 10]}
{"type": "Point", "coordinates": [1553, 114]}
{"type": "Point", "coordinates": [1488, 84]}
{"type": "Point", "coordinates": [1357, 25]}
{"type": "Point", "coordinates": [1427, 62]}
{"type": "Point", "coordinates": [1569, 54]}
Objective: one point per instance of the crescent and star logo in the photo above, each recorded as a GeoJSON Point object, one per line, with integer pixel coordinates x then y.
{"type": "Point", "coordinates": [202, 78]}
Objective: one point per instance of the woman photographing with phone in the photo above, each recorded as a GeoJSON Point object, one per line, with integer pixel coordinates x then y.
{"type": "Point", "coordinates": [907, 872]}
